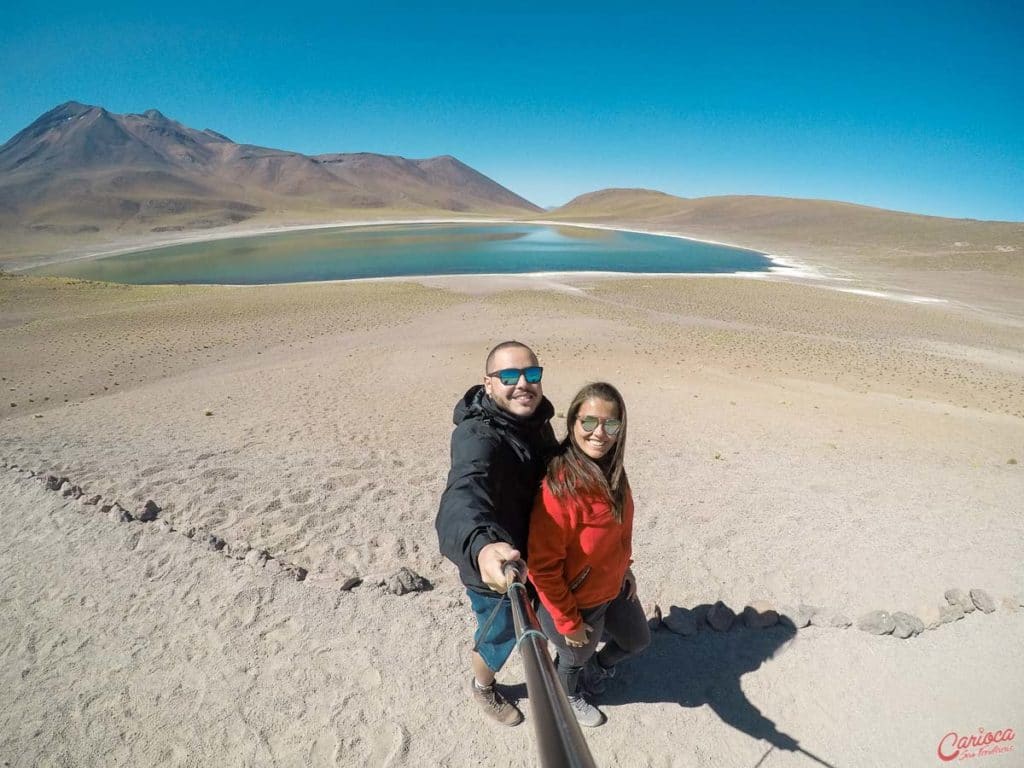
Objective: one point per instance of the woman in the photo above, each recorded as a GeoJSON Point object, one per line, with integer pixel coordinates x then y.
{"type": "Point", "coordinates": [580, 546]}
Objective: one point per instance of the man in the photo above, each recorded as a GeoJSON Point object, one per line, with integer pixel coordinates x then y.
{"type": "Point", "coordinates": [500, 447]}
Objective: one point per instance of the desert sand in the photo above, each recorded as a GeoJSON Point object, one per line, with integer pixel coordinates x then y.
{"type": "Point", "coordinates": [789, 443]}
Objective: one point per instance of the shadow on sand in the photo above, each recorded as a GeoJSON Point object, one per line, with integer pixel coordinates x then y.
{"type": "Point", "coordinates": [705, 669]}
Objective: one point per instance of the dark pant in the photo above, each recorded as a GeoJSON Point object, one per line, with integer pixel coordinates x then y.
{"type": "Point", "coordinates": [625, 624]}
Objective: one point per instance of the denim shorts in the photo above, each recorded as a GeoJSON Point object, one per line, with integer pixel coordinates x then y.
{"type": "Point", "coordinates": [500, 641]}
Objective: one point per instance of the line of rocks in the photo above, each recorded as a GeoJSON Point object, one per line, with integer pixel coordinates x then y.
{"type": "Point", "coordinates": [759, 614]}
{"type": "Point", "coordinates": [404, 581]}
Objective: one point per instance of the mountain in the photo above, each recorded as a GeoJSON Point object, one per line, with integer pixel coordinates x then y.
{"type": "Point", "coordinates": [81, 169]}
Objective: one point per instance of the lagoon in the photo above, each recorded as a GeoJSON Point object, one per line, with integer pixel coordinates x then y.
{"type": "Point", "coordinates": [408, 250]}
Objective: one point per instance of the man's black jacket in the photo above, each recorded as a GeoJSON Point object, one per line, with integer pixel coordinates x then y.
{"type": "Point", "coordinates": [498, 462]}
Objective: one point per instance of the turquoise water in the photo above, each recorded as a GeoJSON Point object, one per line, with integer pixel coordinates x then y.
{"type": "Point", "coordinates": [411, 250]}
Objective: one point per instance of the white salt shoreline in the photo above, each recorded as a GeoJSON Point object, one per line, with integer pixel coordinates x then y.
{"type": "Point", "coordinates": [782, 267]}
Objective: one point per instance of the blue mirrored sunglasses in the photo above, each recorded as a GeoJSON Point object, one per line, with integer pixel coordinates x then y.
{"type": "Point", "coordinates": [510, 376]}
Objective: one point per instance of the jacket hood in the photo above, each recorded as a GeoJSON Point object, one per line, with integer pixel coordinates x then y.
{"type": "Point", "coordinates": [476, 404]}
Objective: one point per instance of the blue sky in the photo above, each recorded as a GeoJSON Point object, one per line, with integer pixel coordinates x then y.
{"type": "Point", "coordinates": [910, 106]}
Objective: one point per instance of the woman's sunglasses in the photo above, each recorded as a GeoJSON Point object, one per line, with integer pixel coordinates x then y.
{"type": "Point", "coordinates": [510, 376]}
{"type": "Point", "coordinates": [611, 426]}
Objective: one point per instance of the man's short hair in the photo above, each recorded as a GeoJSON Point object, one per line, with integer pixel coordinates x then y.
{"type": "Point", "coordinates": [505, 345]}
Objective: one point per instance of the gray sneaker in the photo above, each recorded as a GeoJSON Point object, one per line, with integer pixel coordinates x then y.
{"type": "Point", "coordinates": [586, 713]}
{"type": "Point", "coordinates": [595, 676]}
{"type": "Point", "coordinates": [494, 705]}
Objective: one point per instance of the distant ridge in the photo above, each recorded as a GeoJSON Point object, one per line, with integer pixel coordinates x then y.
{"type": "Point", "coordinates": [81, 169]}
{"type": "Point", "coordinates": [811, 228]}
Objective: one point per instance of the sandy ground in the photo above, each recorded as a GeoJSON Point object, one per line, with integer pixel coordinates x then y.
{"type": "Point", "coordinates": [788, 442]}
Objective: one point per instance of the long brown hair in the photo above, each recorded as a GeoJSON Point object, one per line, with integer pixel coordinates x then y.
{"type": "Point", "coordinates": [572, 472]}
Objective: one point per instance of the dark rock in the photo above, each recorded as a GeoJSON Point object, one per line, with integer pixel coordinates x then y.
{"type": "Point", "coordinates": [760, 615]}
{"type": "Point", "coordinates": [876, 622]}
{"type": "Point", "coordinates": [53, 483]}
{"type": "Point", "coordinates": [149, 512]}
{"type": "Point", "coordinates": [297, 572]}
{"type": "Point", "coordinates": [680, 621]}
{"type": "Point", "coordinates": [700, 614]}
{"type": "Point", "coordinates": [350, 582]}
{"type": "Point", "coordinates": [68, 490]}
{"type": "Point", "coordinates": [983, 600]}
{"type": "Point", "coordinates": [92, 501]}
{"type": "Point", "coordinates": [405, 581]}
{"type": "Point", "coordinates": [77, 492]}
{"type": "Point", "coordinates": [215, 543]}
{"type": "Point", "coordinates": [721, 617]}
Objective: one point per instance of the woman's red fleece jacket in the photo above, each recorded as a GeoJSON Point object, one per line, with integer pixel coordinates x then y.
{"type": "Point", "coordinates": [566, 539]}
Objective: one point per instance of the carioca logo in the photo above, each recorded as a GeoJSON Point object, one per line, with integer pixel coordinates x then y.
{"type": "Point", "coordinates": [953, 744]}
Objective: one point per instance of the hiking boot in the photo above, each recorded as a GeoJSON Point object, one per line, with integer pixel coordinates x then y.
{"type": "Point", "coordinates": [494, 705]}
{"type": "Point", "coordinates": [586, 713]}
{"type": "Point", "coordinates": [595, 676]}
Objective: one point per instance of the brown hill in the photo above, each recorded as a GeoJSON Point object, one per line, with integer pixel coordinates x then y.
{"type": "Point", "coordinates": [810, 227]}
{"type": "Point", "coordinates": [81, 170]}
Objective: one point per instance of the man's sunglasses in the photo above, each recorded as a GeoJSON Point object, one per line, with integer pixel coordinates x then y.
{"type": "Point", "coordinates": [510, 376]}
{"type": "Point", "coordinates": [611, 426]}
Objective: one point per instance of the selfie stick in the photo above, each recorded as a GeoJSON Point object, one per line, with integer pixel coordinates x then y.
{"type": "Point", "coordinates": [560, 741]}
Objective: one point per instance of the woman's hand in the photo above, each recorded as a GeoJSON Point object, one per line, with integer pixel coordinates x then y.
{"type": "Point", "coordinates": [580, 637]}
{"type": "Point", "coordinates": [630, 582]}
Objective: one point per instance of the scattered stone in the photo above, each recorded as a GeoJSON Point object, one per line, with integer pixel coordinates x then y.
{"type": "Point", "coordinates": [983, 600]}
{"type": "Point", "coordinates": [906, 625]}
{"type": "Point", "coordinates": [54, 483]}
{"type": "Point", "coordinates": [876, 622]}
{"type": "Point", "coordinates": [237, 549]}
{"type": "Point", "coordinates": [207, 413]}
{"type": "Point", "coordinates": [823, 618]}
{"type": "Point", "coordinates": [700, 615]}
{"type": "Point", "coordinates": [680, 621]}
{"type": "Point", "coordinates": [68, 490]}
{"type": "Point", "coordinates": [958, 597]}
{"type": "Point", "coordinates": [37, 415]}
{"type": "Point", "coordinates": [931, 616]}
{"type": "Point", "coordinates": [721, 617]}
{"type": "Point", "coordinates": [350, 582]}
{"type": "Point", "coordinates": [92, 501]}
{"type": "Point", "coordinates": [799, 617]}
{"type": "Point", "coordinates": [405, 581]}
{"type": "Point", "coordinates": [190, 532]}
{"type": "Point", "coordinates": [119, 514]}
{"type": "Point", "coordinates": [257, 558]}
{"type": "Point", "coordinates": [760, 615]}
{"type": "Point", "coordinates": [951, 613]}
{"type": "Point", "coordinates": [215, 543]}
{"type": "Point", "coordinates": [105, 508]}
{"type": "Point", "coordinates": [654, 618]}
{"type": "Point", "coordinates": [149, 512]}
{"type": "Point", "coordinates": [295, 571]}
